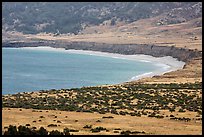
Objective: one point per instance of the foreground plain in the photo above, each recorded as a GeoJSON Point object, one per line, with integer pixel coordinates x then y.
{"type": "Point", "coordinates": [145, 108]}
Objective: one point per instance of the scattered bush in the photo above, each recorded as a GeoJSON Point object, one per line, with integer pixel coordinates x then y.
{"type": "Point", "coordinates": [108, 117]}
{"type": "Point", "coordinates": [55, 132]}
{"type": "Point", "coordinates": [42, 117]}
{"type": "Point", "coordinates": [97, 129]}
{"type": "Point", "coordinates": [117, 129]}
{"type": "Point", "coordinates": [88, 126]}
{"type": "Point", "coordinates": [27, 124]}
{"type": "Point", "coordinates": [52, 125]}
{"type": "Point", "coordinates": [128, 132]}
{"type": "Point", "coordinates": [66, 131]}
{"type": "Point", "coordinates": [42, 131]}
{"type": "Point", "coordinates": [23, 130]}
{"type": "Point", "coordinates": [12, 130]}
{"type": "Point", "coordinates": [59, 121]}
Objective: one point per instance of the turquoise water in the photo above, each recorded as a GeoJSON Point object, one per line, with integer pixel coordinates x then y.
{"type": "Point", "coordinates": [25, 70]}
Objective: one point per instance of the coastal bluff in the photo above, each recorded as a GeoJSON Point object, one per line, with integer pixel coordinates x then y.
{"type": "Point", "coordinates": [181, 54]}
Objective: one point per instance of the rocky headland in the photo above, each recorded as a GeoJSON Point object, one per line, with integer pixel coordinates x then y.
{"type": "Point", "coordinates": [181, 54]}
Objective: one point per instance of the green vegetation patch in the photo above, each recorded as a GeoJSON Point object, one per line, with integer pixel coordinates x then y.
{"type": "Point", "coordinates": [128, 99]}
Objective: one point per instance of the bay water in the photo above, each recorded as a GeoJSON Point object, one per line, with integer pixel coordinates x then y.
{"type": "Point", "coordinates": [26, 70]}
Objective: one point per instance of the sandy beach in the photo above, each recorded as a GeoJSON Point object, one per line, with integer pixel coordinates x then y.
{"type": "Point", "coordinates": [167, 63]}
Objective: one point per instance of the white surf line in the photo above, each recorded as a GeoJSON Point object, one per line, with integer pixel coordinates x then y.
{"type": "Point", "coordinates": [167, 63]}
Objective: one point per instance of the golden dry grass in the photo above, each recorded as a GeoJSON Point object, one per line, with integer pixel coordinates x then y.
{"type": "Point", "coordinates": [149, 125]}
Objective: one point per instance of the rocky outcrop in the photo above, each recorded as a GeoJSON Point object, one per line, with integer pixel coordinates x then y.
{"type": "Point", "coordinates": [128, 49]}
{"type": "Point", "coordinates": [27, 44]}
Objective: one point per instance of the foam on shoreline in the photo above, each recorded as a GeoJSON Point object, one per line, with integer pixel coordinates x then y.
{"type": "Point", "coordinates": [167, 63]}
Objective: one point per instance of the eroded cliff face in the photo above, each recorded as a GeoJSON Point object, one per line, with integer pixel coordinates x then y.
{"type": "Point", "coordinates": [128, 49]}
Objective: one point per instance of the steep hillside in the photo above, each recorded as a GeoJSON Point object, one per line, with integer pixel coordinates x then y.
{"type": "Point", "coordinates": [72, 17]}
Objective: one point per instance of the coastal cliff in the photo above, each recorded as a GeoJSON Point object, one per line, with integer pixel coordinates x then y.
{"type": "Point", "coordinates": [128, 49]}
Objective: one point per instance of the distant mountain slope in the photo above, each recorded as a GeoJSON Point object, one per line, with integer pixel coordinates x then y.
{"type": "Point", "coordinates": [72, 17]}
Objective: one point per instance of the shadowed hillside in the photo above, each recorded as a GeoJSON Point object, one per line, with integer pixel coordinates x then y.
{"type": "Point", "coordinates": [72, 17]}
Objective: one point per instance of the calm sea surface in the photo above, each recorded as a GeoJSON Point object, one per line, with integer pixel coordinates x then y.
{"type": "Point", "coordinates": [31, 70]}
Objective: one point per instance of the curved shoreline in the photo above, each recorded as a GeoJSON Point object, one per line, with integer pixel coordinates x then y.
{"type": "Point", "coordinates": [167, 63]}
{"type": "Point", "coordinates": [182, 54]}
